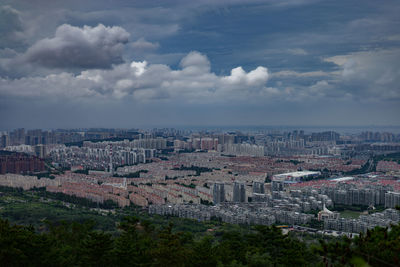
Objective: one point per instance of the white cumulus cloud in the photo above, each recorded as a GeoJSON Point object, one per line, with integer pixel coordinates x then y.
{"type": "Point", "coordinates": [255, 77]}
{"type": "Point", "coordinates": [143, 81]}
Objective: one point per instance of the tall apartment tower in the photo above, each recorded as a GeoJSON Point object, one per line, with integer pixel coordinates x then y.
{"type": "Point", "coordinates": [218, 193]}
{"type": "Point", "coordinates": [239, 192]}
{"type": "Point", "coordinates": [40, 151]}
{"type": "Point", "coordinates": [258, 187]}
{"type": "Point", "coordinates": [4, 141]}
{"type": "Point", "coordinates": [111, 161]}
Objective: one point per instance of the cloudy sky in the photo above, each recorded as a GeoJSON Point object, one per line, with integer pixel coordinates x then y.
{"type": "Point", "coordinates": [130, 63]}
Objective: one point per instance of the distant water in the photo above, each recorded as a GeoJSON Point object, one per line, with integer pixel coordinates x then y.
{"type": "Point", "coordinates": [306, 129]}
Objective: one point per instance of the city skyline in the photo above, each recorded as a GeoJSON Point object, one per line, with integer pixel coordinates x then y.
{"type": "Point", "coordinates": [246, 129]}
{"type": "Point", "coordinates": [140, 64]}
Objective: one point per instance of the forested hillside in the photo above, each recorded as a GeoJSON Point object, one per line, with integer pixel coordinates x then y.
{"type": "Point", "coordinates": [139, 243]}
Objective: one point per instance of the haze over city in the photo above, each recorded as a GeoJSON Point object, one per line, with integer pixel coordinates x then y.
{"type": "Point", "coordinates": [67, 64]}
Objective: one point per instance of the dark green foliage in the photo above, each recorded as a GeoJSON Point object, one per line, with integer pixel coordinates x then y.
{"type": "Point", "coordinates": [107, 204]}
{"type": "Point", "coordinates": [341, 207]}
{"type": "Point", "coordinates": [204, 253]}
{"type": "Point", "coordinates": [369, 166]}
{"type": "Point", "coordinates": [197, 169]}
{"type": "Point", "coordinates": [205, 202]}
{"type": "Point", "coordinates": [139, 243]}
{"type": "Point", "coordinates": [97, 249]}
{"type": "Point", "coordinates": [166, 151]}
{"type": "Point", "coordinates": [35, 206]}
{"type": "Point", "coordinates": [15, 190]}
{"type": "Point", "coordinates": [378, 247]}
{"type": "Point", "coordinates": [314, 223]}
{"type": "Point", "coordinates": [294, 162]}
{"type": "Point", "coordinates": [228, 155]}
{"type": "Point", "coordinates": [191, 185]}
{"type": "Point", "coordinates": [132, 248]}
{"type": "Point", "coordinates": [44, 175]}
{"type": "Point", "coordinates": [171, 249]}
{"type": "Point", "coordinates": [21, 245]}
{"type": "Point", "coordinates": [186, 151]}
{"type": "Point", "coordinates": [82, 171]}
{"type": "Point", "coordinates": [389, 157]}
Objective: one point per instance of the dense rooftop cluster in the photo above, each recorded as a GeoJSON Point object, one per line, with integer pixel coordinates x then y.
{"type": "Point", "coordinates": [252, 178]}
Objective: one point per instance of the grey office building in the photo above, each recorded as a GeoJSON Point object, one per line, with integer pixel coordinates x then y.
{"type": "Point", "coordinates": [239, 192]}
{"type": "Point", "coordinates": [218, 193]}
{"type": "Point", "coordinates": [258, 188]}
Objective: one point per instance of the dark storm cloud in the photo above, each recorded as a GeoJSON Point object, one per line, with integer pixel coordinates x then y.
{"type": "Point", "coordinates": [74, 47]}
{"type": "Point", "coordinates": [236, 62]}
{"type": "Point", "coordinates": [10, 26]}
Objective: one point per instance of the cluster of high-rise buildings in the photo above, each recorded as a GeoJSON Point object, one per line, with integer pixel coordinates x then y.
{"type": "Point", "coordinates": [294, 204]}
{"type": "Point", "coordinates": [351, 195]}
{"type": "Point", "coordinates": [364, 222]}
{"type": "Point", "coordinates": [38, 136]}
{"type": "Point", "coordinates": [175, 172]}
{"type": "Point", "coordinates": [228, 147]}
{"type": "Point", "coordinates": [238, 191]}
{"type": "Point", "coordinates": [236, 213]}
{"type": "Point", "coordinates": [61, 136]}
{"type": "Point", "coordinates": [360, 192]}
{"type": "Point", "coordinates": [255, 144]}
{"type": "Point", "coordinates": [99, 156]}
{"type": "Point", "coordinates": [242, 150]}
{"type": "Point", "coordinates": [205, 143]}
{"type": "Point", "coordinates": [392, 199]}
{"type": "Point", "coordinates": [259, 208]}
{"type": "Point", "coordinates": [378, 137]}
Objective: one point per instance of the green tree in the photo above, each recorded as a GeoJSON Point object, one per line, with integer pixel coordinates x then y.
{"type": "Point", "coordinates": [96, 249]}
{"type": "Point", "coordinates": [203, 253]}
{"type": "Point", "coordinates": [132, 248]}
{"type": "Point", "coordinates": [170, 249]}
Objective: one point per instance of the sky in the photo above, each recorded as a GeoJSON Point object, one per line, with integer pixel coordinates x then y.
{"type": "Point", "coordinates": [125, 64]}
